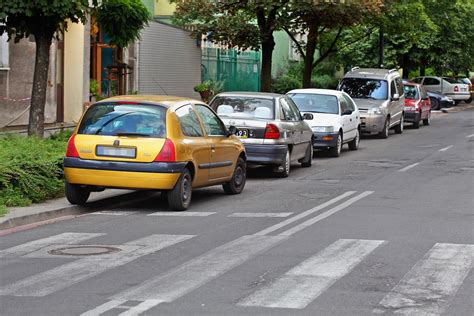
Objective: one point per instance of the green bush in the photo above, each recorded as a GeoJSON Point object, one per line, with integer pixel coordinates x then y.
{"type": "Point", "coordinates": [285, 83]}
{"type": "Point", "coordinates": [31, 169]}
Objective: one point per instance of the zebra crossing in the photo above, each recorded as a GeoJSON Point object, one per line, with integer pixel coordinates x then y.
{"type": "Point", "coordinates": [426, 289]}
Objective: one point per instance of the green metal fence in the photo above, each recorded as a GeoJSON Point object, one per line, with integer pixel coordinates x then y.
{"type": "Point", "coordinates": [237, 71]}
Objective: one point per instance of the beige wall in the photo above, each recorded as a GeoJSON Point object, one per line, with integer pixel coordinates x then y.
{"type": "Point", "coordinates": [164, 8]}
{"type": "Point", "coordinates": [73, 72]}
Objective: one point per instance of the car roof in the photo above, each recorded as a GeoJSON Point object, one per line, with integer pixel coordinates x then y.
{"type": "Point", "coordinates": [409, 83]}
{"type": "Point", "coordinates": [164, 100]}
{"type": "Point", "coordinates": [372, 73]}
{"type": "Point", "coordinates": [265, 95]}
{"type": "Point", "coordinates": [317, 91]}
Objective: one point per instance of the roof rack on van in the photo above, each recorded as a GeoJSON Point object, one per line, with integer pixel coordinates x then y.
{"type": "Point", "coordinates": [355, 68]}
{"type": "Point", "coordinates": [392, 70]}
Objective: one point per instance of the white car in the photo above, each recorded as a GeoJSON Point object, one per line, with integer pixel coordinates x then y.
{"type": "Point", "coordinates": [453, 88]}
{"type": "Point", "coordinates": [336, 119]}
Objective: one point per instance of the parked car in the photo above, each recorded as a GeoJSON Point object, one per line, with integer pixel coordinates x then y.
{"type": "Point", "coordinates": [336, 118]}
{"type": "Point", "coordinates": [448, 86]}
{"type": "Point", "coordinates": [439, 100]}
{"type": "Point", "coordinates": [165, 143]}
{"type": "Point", "coordinates": [270, 126]}
{"type": "Point", "coordinates": [378, 94]}
{"type": "Point", "coordinates": [417, 104]}
{"type": "Point", "coordinates": [471, 87]}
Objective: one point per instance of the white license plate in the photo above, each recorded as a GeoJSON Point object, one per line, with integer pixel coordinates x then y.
{"type": "Point", "coordinates": [122, 152]}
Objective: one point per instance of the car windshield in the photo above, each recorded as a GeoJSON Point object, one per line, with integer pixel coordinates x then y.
{"type": "Point", "coordinates": [244, 107]}
{"type": "Point", "coordinates": [453, 80]}
{"type": "Point", "coordinates": [362, 88]}
{"type": "Point", "coordinates": [124, 120]}
{"type": "Point", "coordinates": [411, 92]}
{"type": "Point", "coordinates": [315, 103]}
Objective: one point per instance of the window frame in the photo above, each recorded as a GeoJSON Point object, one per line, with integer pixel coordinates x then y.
{"type": "Point", "coordinates": [197, 118]}
{"type": "Point", "coordinates": [219, 121]}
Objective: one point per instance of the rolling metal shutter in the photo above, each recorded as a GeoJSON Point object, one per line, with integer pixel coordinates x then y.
{"type": "Point", "coordinates": [169, 61]}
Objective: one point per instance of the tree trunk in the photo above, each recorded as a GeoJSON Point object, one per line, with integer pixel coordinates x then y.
{"type": "Point", "coordinates": [40, 80]}
{"type": "Point", "coordinates": [422, 70]}
{"type": "Point", "coordinates": [309, 57]}
{"type": "Point", "coordinates": [268, 44]}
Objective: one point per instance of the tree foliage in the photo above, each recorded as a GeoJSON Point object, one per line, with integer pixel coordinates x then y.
{"type": "Point", "coordinates": [123, 20]}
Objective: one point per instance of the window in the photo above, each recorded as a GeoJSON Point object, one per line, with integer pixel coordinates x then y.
{"type": "Point", "coordinates": [344, 105]}
{"type": "Point", "coordinates": [362, 88]}
{"type": "Point", "coordinates": [315, 103]}
{"type": "Point", "coordinates": [293, 108]}
{"type": "Point", "coordinates": [189, 121]}
{"type": "Point", "coordinates": [3, 51]}
{"type": "Point", "coordinates": [288, 113]}
{"type": "Point", "coordinates": [411, 92]}
{"type": "Point", "coordinates": [399, 83]}
{"type": "Point", "coordinates": [116, 119]}
{"type": "Point", "coordinates": [350, 103]}
{"type": "Point", "coordinates": [244, 107]}
{"type": "Point", "coordinates": [212, 123]}
{"type": "Point", "coordinates": [431, 82]}
{"type": "Point", "coordinates": [417, 80]}
{"type": "Point", "coordinates": [393, 90]}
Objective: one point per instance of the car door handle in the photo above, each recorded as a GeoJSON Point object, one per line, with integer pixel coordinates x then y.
{"type": "Point", "coordinates": [350, 120]}
{"type": "Point", "coordinates": [213, 148]}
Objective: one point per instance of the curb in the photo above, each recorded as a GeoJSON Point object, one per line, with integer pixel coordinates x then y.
{"type": "Point", "coordinates": [74, 210]}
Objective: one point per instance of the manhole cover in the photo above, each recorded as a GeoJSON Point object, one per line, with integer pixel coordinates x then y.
{"type": "Point", "coordinates": [84, 251]}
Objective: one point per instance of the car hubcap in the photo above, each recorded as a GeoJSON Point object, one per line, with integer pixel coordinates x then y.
{"type": "Point", "coordinates": [186, 189]}
{"type": "Point", "coordinates": [339, 143]}
{"type": "Point", "coordinates": [401, 124]}
{"type": "Point", "coordinates": [239, 176]}
{"type": "Point", "coordinates": [287, 162]}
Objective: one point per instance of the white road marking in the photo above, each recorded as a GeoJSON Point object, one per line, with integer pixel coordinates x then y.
{"type": "Point", "coordinates": [304, 283]}
{"type": "Point", "coordinates": [181, 213]}
{"type": "Point", "coordinates": [446, 148]}
{"type": "Point", "coordinates": [116, 213]}
{"type": "Point", "coordinates": [428, 288]}
{"type": "Point", "coordinates": [35, 245]}
{"type": "Point", "coordinates": [324, 215]}
{"type": "Point", "coordinates": [200, 270]}
{"type": "Point", "coordinates": [103, 308]}
{"type": "Point", "coordinates": [140, 308]}
{"type": "Point", "coordinates": [304, 214]}
{"type": "Point", "coordinates": [408, 167]}
{"type": "Point", "coordinates": [68, 274]}
{"type": "Point", "coordinates": [261, 214]}
{"type": "Point", "coordinates": [470, 136]}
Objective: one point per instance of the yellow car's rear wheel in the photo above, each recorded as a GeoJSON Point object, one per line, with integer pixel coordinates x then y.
{"type": "Point", "coordinates": [179, 197]}
{"type": "Point", "coordinates": [76, 194]}
{"type": "Point", "coordinates": [237, 183]}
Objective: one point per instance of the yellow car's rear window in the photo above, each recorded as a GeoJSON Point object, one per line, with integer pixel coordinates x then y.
{"type": "Point", "coordinates": [119, 119]}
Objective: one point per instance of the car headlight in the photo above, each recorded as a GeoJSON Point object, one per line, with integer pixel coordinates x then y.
{"type": "Point", "coordinates": [323, 129]}
{"type": "Point", "coordinates": [375, 110]}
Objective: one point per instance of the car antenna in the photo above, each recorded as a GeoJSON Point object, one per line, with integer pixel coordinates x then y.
{"type": "Point", "coordinates": [156, 81]}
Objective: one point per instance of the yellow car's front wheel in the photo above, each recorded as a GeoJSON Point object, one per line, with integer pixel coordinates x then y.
{"type": "Point", "coordinates": [179, 197]}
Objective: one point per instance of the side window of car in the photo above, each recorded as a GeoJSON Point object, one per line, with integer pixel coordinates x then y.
{"type": "Point", "coordinates": [399, 83]}
{"type": "Point", "coordinates": [424, 93]}
{"type": "Point", "coordinates": [344, 105]}
{"type": "Point", "coordinates": [212, 124]}
{"type": "Point", "coordinates": [293, 108]}
{"type": "Point", "coordinates": [431, 82]}
{"type": "Point", "coordinates": [393, 90]}
{"type": "Point", "coordinates": [189, 121]}
{"type": "Point", "coordinates": [349, 102]}
{"type": "Point", "coordinates": [417, 80]}
{"type": "Point", "coordinates": [288, 113]}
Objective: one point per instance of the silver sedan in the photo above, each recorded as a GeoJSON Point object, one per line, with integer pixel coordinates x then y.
{"type": "Point", "coordinates": [270, 126]}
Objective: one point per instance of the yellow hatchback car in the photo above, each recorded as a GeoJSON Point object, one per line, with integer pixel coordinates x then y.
{"type": "Point", "coordinates": [166, 143]}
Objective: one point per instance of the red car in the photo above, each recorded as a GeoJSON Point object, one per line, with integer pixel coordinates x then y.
{"type": "Point", "coordinates": [417, 104]}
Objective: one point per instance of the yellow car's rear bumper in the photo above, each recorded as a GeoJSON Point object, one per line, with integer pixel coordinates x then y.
{"type": "Point", "coordinates": [160, 176]}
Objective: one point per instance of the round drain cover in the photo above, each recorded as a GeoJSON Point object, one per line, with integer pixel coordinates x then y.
{"type": "Point", "coordinates": [84, 251]}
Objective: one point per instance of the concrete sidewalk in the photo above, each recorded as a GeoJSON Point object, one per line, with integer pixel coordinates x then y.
{"type": "Point", "coordinates": [18, 216]}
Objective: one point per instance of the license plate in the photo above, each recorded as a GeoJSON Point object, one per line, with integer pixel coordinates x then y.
{"type": "Point", "coordinates": [242, 133]}
{"type": "Point", "coordinates": [122, 152]}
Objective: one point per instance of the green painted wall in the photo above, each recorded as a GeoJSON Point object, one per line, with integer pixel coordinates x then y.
{"type": "Point", "coordinates": [280, 52]}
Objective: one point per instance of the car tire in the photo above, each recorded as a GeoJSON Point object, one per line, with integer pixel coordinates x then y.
{"type": "Point", "coordinates": [435, 104]}
{"type": "Point", "coordinates": [354, 144]}
{"type": "Point", "coordinates": [308, 158]}
{"type": "Point", "coordinates": [386, 127]}
{"type": "Point", "coordinates": [237, 183]}
{"type": "Point", "coordinates": [336, 151]}
{"type": "Point", "coordinates": [427, 121]}
{"type": "Point", "coordinates": [468, 100]}
{"type": "Point", "coordinates": [456, 102]}
{"type": "Point", "coordinates": [416, 124]}
{"type": "Point", "coordinates": [179, 197]}
{"type": "Point", "coordinates": [399, 127]}
{"type": "Point", "coordinates": [76, 194]}
{"type": "Point", "coordinates": [285, 165]}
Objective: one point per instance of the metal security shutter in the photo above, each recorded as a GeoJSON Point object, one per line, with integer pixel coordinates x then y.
{"type": "Point", "coordinates": [169, 61]}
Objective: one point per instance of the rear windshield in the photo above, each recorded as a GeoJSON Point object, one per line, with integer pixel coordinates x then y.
{"type": "Point", "coordinates": [244, 107]}
{"type": "Point", "coordinates": [316, 103]}
{"type": "Point", "coordinates": [125, 119]}
{"type": "Point", "coordinates": [411, 92]}
{"type": "Point", "coordinates": [453, 80]}
{"type": "Point", "coordinates": [362, 88]}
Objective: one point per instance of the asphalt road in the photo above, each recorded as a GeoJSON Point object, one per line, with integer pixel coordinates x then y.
{"type": "Point", "coordinates": [386, 229]}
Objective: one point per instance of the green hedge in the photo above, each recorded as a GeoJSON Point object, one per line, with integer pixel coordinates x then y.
{"type": "Point", "coordinates": [31, 169]}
